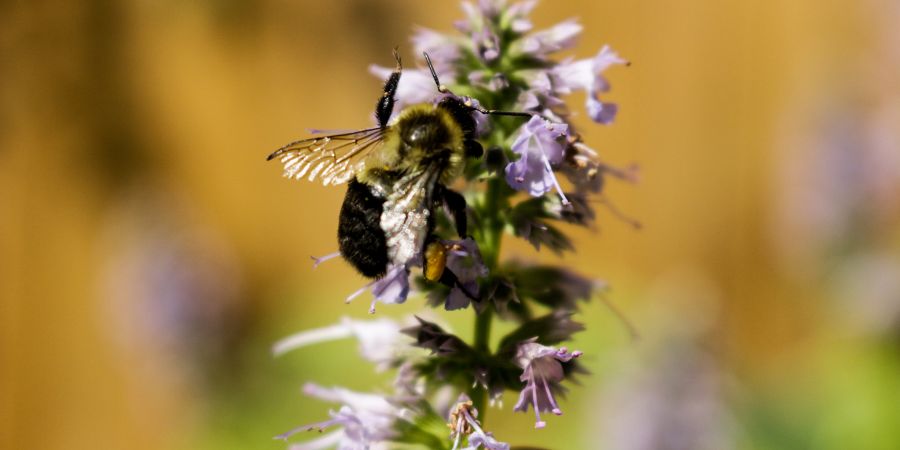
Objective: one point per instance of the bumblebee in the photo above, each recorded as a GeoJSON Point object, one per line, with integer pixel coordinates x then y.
{"type": "Point", "coordinates": [397, 175]}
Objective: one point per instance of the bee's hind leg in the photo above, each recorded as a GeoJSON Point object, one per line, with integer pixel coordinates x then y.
{"type": "Point", "coordinates": [456, 204]}
{"type": "Point", "coordinates": [450, 280]}
{"type": "Point", "coordinates": [435, 268]}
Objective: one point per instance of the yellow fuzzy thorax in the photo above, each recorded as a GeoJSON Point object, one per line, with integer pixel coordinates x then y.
{"type": "Point", "coordinates": [397, 156]}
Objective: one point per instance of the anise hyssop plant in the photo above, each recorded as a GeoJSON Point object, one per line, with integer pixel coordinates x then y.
{"type": "Point", "coordinates": [485, 114]}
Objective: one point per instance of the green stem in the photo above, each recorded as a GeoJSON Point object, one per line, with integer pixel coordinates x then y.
{"type": "Point", "coordinates": [490, 249]}
{"type": "Point", "coordinates": [493, 226]}
{"type": "Point", "coordinates": [479, 393]}
{"type": "Point", "coordinates": [483, 330]}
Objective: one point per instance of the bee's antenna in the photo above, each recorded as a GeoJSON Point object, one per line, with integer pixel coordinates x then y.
{"type": "Point", "coordinates": [441, 88]}
{"type": "Point", "coordinates": [504, 113]}
{"type": "Point", "coordinates": [494, 112]}
{"type": "Point", "coordinates": [397, 58]}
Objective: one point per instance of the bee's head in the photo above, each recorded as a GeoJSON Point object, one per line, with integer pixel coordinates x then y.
{"type": "Point", "coordinates": [423, 137]}
{"type": "Point", "coordinates": [424, 132]}
{"type": "Point", "coordinates": [461, 113]}
{"type": "Point", "coordinates": [426, 135]}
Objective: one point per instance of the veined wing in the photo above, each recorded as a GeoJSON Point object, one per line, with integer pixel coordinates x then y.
{"type": "Point", "coordinates": [334, 158]}
{"type": "Point", "coordinates": [404, 219]}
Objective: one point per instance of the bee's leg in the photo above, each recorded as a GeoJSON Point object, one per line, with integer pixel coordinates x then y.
{"type": "Point", "coordinates": [386, 103]}
{"type": "Point", "coordinates": [473, 148]}
{"type": "Point", "coordinates": [435, 259]}
{"type": "Point", "coordinates": [456, 204]}
{"type": "Point", "coordinates": [450, 280]}
{"type": "Point", "coordinates": [435, 267]}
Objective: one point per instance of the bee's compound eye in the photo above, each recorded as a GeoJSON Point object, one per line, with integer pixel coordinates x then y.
{"type": "Point", "coordinates": [428, 134]}
{"type": "Point", "coordinates": [417, 135]}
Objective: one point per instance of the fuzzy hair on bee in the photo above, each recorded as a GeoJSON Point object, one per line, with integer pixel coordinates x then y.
{"type": "Point", "coordinates": [397, 175]}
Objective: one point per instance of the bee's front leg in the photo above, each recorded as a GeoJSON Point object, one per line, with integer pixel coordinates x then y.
{"type": "Point", "coordinates": [449, 279]}
{"type": "Point", "coordinates": [473, 148]}
{"type": "Point", "coordinates": [456, 204]}
{"type": "Point", "coordinates": [386, 103]}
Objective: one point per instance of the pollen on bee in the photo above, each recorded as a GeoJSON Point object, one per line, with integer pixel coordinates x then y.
{"type": "Point", "coordinates": [435, 261]}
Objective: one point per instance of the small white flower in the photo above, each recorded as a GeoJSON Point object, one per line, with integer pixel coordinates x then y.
{"type": "Point", "coordinates": [366, 420]}
{"type": "Point", "coordinates": [380, 341]}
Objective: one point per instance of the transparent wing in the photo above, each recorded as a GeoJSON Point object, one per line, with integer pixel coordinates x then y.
{"type": "Point", "coordinates": [404, 219]}
{"type": "Point", "coordinates": [334, 159]}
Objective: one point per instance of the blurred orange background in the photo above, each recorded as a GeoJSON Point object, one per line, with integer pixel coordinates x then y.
{"type": "Point", "coordinates": [150, 255]}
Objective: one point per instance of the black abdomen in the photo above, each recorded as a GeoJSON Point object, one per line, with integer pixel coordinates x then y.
{"type": "Point", "coordinates": [360, 237]}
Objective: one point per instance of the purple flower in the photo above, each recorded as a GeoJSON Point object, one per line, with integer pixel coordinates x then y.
{"type": "Point", "coordinates": [463, 421]}
{"type": "Point", "coordinates": [487, 45]}
{"type": "Point", "coordinates": [513, 17]}
{"type": "Point", "coordinates": [516, 16]}
{"type": "Point", "coordinates": [365, 419]}
{"type": "Point", "coordinates": [675, 398]}
{"type": "Point", "coordinates": [543, 94]}
{"type": "Point", "coordinates": [491, 8]}
{"type": "Point", "coordinates": [444, 50]}
{"type": "Point", "coordinates": [585, 74]}
{"type": "Point", "coordinates": [464, 260]}
{"type": "Point", "coordinates": [585, 170]}
{"type": "Point", "coordinates": [393, 288]}
{"type": "Point", "coordinates": [541, 43]}
{"type": "Point", "coordinates": [492, 82]}
{"type": "Point", "coordinates": [481, 439]}
{"type": "Point", "coordinates": [478, 17]}
{"type": "Point", "coordinates": [320, 259]}
{"type": "Point", "coordinates": [542, 373]}
{"type": "Point", "coordinates": [540, 144]}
